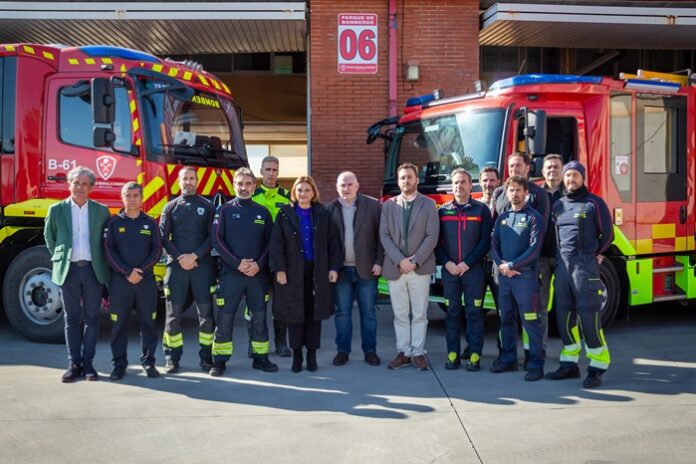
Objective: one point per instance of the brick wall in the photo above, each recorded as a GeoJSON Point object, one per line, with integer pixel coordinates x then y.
{"type": "Point", "coordinates": [442, 35]}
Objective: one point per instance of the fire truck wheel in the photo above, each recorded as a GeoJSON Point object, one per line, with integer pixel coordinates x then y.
{"type": "Point", "coordinates": [611, 297]}
{"type": "Point", "coordinates": [32, 302]}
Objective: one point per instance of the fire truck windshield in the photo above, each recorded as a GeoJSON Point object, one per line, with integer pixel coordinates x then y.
{"type": "Point", "coordinates": [204, 130]}
{"type": "Point", "coordinates": [469, 139]}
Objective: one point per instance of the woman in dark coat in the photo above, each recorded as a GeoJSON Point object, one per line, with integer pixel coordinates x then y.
{"type": "Point", "coordinates": [305, 255]}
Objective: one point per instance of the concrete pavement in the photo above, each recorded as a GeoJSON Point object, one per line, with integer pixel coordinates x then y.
{"type": "Point", "coordinates": [644, 413]}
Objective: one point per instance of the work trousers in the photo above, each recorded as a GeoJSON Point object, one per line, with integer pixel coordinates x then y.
{"type": "Point", "coordinates": [307, 333]}
{"type": "Point", "coordinates": [470, 286]}
{"type": "Point", "coordinates": [578, 291]}
{"type": "Point", "coordinates": [522, 291]}
{"type": "Point", "coordinates": [124, 298]}
{"type": "Point", "coordinates": [234, 286]}
{"type": "Point", "coordinates": [177, 282]}
{"type": "Point", "coordinates": [409, 298]}
{"type": "Point", "coordinates": [82, 295]}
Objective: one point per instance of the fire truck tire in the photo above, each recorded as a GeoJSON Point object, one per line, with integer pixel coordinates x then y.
{"type": "Point", "coordinates": [611, 300]}
{"type": "Point", "coordinates": [32, 302]}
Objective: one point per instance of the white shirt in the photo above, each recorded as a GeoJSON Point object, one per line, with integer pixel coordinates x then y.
{"type": "Point", "coordinates": [81, 250]}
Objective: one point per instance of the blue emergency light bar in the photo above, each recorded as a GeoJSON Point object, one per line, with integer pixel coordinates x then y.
{"type": "Point", "coordinates": [118, 52]}
{"type": "Point", "coordinates": [534, 79]}
{"type": "Point", "coordinates": [423, 99]}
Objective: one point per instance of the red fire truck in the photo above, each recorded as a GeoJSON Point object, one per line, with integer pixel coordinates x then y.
{"type": "Point", "coordinates": [125, 114]}
{"type": "Point", "coordinates": [636, 135]}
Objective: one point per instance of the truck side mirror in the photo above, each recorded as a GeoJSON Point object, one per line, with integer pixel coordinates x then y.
{"type": "Point", "coordinates": [535, 132]}
{"type": "Point", "coordinates": [103, 101]}
{"type": "Point", "coordinates": [103, 137]}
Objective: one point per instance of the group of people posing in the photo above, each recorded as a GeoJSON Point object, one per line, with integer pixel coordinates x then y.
{"type": "Point", "coordinates": [310, 261]}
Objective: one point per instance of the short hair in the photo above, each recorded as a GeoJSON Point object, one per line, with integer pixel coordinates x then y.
{"type": "Point", "coordinates": [461, 171]}
{"type": "Point", "coordinates": [244, 172]}
{"type": "Point", "coordinates": [527, 160]}
{"type": "Point", "coordinates": [519, 180]}
{"type": "Point", "coordinates": [131, 186]}
{"type": "Point", "coordinates": [410, 166]}
{"type": "Point", "coordinates": [552, 157]}
{"type": "Point", "coordinates": [491, 169]}
{"type": "Point", "coordinates": [82, 171]}
{"type": "Point", "coordinates": [188, 168]}
{"type": "Point", "coordinates": [310, 181]}
{"type": "Point", "coordinates": [270, 159]}
{"type": "Point", "coordinates": [347, 173]}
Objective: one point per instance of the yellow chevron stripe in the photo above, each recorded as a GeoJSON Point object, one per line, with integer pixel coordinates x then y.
{"type": "Point", "coordinates": [90, 61]}
{"type": "Point", "coordinates": [156, 184]}
{"type": "Point", "coordinates": [48, 55]}
{"type": "Point", "coordinates": [173, 72]}
{"type": "Point", "coordinates": [9, 48]}
{"type": "Point", "coordinates": [132, 106]}
{"type": "Point", "coordinates": [226, 179]}
{"type": "Point", "coordinates": [203, 80]}
{"type": "Point", "coordinates": [157, 209]}
{"type": "Point", "coordinates": [29, 50]}
{"type": "Point", "coordinates": [187, 76]}
{"type": "Point", "coordinates": [157, 67]}
{"type": "Point", "coordinates": [107, 61]}
{"type": "Point", "coordinates": [136, 124]}
{"type": "Point", "coordinates": [211, 181]}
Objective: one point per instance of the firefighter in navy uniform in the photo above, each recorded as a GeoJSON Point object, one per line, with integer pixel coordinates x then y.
{"type": "Point", "coordinates": [465, 237]}
{"type": "Point", "coordinates": [241, 235]}
{"type": "Point", "coordinates": [271, 195]}
{"type": "Point", "coordinates": [186, 227]}
{"type": "Point", "coordinates": [515, 247]}
{"type": "Point", "coordinates": [132, 247]}
{"type": "Point", "coordinates": [584, 230]}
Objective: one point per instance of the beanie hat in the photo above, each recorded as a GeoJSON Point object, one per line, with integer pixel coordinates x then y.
{"type": "Point", "coordinates": [576, 165]}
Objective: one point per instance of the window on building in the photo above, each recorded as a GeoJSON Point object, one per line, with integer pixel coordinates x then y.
{"type": "Point", "coordinates": [621, 150]}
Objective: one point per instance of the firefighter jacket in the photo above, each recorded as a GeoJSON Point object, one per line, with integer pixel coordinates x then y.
{"type": "Point", "coordinates": [583, 224]}
{"type": "Point", "coordinates": [517, 237]}
{"type": "Point", "coordinates": [537, 198]}
{"type": "Point", "coordinates": [132, 243]}
{"type": "Point", "coordinates": [186, 226]}
{"type": "Point", "coordinates": [271, 198]}
{"type": "Point", "coordinates": [465, 232]}
{"type": "Point", "coordinates": [242, 230]}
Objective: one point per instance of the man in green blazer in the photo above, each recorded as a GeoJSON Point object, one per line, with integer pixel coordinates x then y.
{"type": "Point", "coordinates": [73, 233]}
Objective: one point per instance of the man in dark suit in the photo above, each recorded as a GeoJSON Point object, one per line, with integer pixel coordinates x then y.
{"type": "Point", "coordinates": [409, 229]}
{"type": "Point", "coordinates": [356, 217]}
{"type": "Point", "coordinates": [73, 233]}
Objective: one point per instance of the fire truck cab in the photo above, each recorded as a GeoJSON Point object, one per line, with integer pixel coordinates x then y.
{"type": "Point", "coordinates": [126, 115]}
{"type": "Point", "coordinates": [636, 135]}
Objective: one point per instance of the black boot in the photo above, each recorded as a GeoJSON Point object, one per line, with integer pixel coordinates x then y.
{"type": "Point", "coordinates": [567, 371]}
{"type": "Point", "coordinates": [312, 360]}
{"type": "Point", "coordinates": [217, 369]}
{"type": "Point", "coordinates": [261, 362]}
{"type": "Point", "coordinates": [593, 379]}
{"type": "Point", "coordinates": [279, 332]}
{"type": "Point", "coordinates": [296, 360]}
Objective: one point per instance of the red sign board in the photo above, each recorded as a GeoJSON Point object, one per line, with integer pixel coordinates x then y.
{"type": "Point", "coordinates": [357, 43]}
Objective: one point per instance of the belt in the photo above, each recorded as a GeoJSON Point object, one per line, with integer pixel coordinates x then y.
{"type": "Point", "coordinates": [81, 263]}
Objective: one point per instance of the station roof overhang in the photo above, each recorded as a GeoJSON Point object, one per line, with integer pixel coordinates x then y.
{"type": "Point", "coordinates": [159, 28]}
{"type": "Point", "coordinates": [536, 24]}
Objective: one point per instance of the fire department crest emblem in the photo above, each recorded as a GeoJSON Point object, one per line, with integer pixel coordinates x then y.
{"type": "Point", "coordinates": [106, 165]}
{"type": "Point", "coordinates": [200, 211]}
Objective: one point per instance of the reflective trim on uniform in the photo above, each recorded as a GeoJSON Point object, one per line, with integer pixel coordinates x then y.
{"type": "Point", "coordinates": [474, 357]}
{"type": "Point", "coordinates": [220, 301]}
{"type": "Point", "coordinates": [173, 340]}
{"type": "Point", "coordinates": [599, 357]}
{"type": "Point", "coordinates": [260, 347]}
{"type": "Point", "coordinates": [530, 316]}
{"type": "Point", "coordinates": [478, 302]}
{"type": "Point", "coordinates": [114, 317]}
{"type": "Point", "coordinates": [570, 353]}
{"type": "Point", "coordinates": [446, 302]}
{"type": "Point", "coordinates": [525, 339]}
{"type": "Point", "coordinates": [154, 315]}
{"type": "Point", "coordinates": [452, 356]}
{"type": "Point", "coordinates": [267, 298]}
{"type": "Point", "coordinates": [167, 291]}
{"type": "Point", "coordinates": [223, 348]}
{"type": "Point", "coordinates": [205, 339]}
{"type": "Point", "coordinates": [247, 314]}
{"type": "Point", "coordinates": [213, 288]}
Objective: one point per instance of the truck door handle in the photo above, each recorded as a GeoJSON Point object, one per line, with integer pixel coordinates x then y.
{"type": "Point", "coordinates": [682, 214]}
{"type": "Point", "coordinates": [61, 178]}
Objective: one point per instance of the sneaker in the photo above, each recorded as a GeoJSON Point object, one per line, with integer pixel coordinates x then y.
{"type": "Point", "coordinates": [498, 367]}
{"type": "Point", "coordinates": [73, 373]}
{"type": "Point", "coordinates": [117, 373]}
{"type": "Point", "coordinates": [400, 361]}
{"type": "Point", "coordinates": [206, 364]}
{"type": "Point", "coordinates": [217, 369]}
{"type": "Point", "coordinates": [533, 375]}
{"type": "Point", "coordinates": [421, 362]}
{"type": "Point", "coordinates": [593, 379]}
{"type": "Point", "coordinates": [171, 366]}
{"type": "Point", "coordinates": [90, 372]}
{"type": "Point", "coordinates": [262, 362]}
{"type": "Point", "coordinates": [564, 372]}
{"type": "Point", "coordinates": [340, 359]}
{"type": "Point", "coordinates": [453, 361]}
{"type": "Point", "coordinates": [474, 363]}
{"type": "Point", "coordinates": [372, 359]}
{"type": "Point", "coordinates": [151, 371]}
